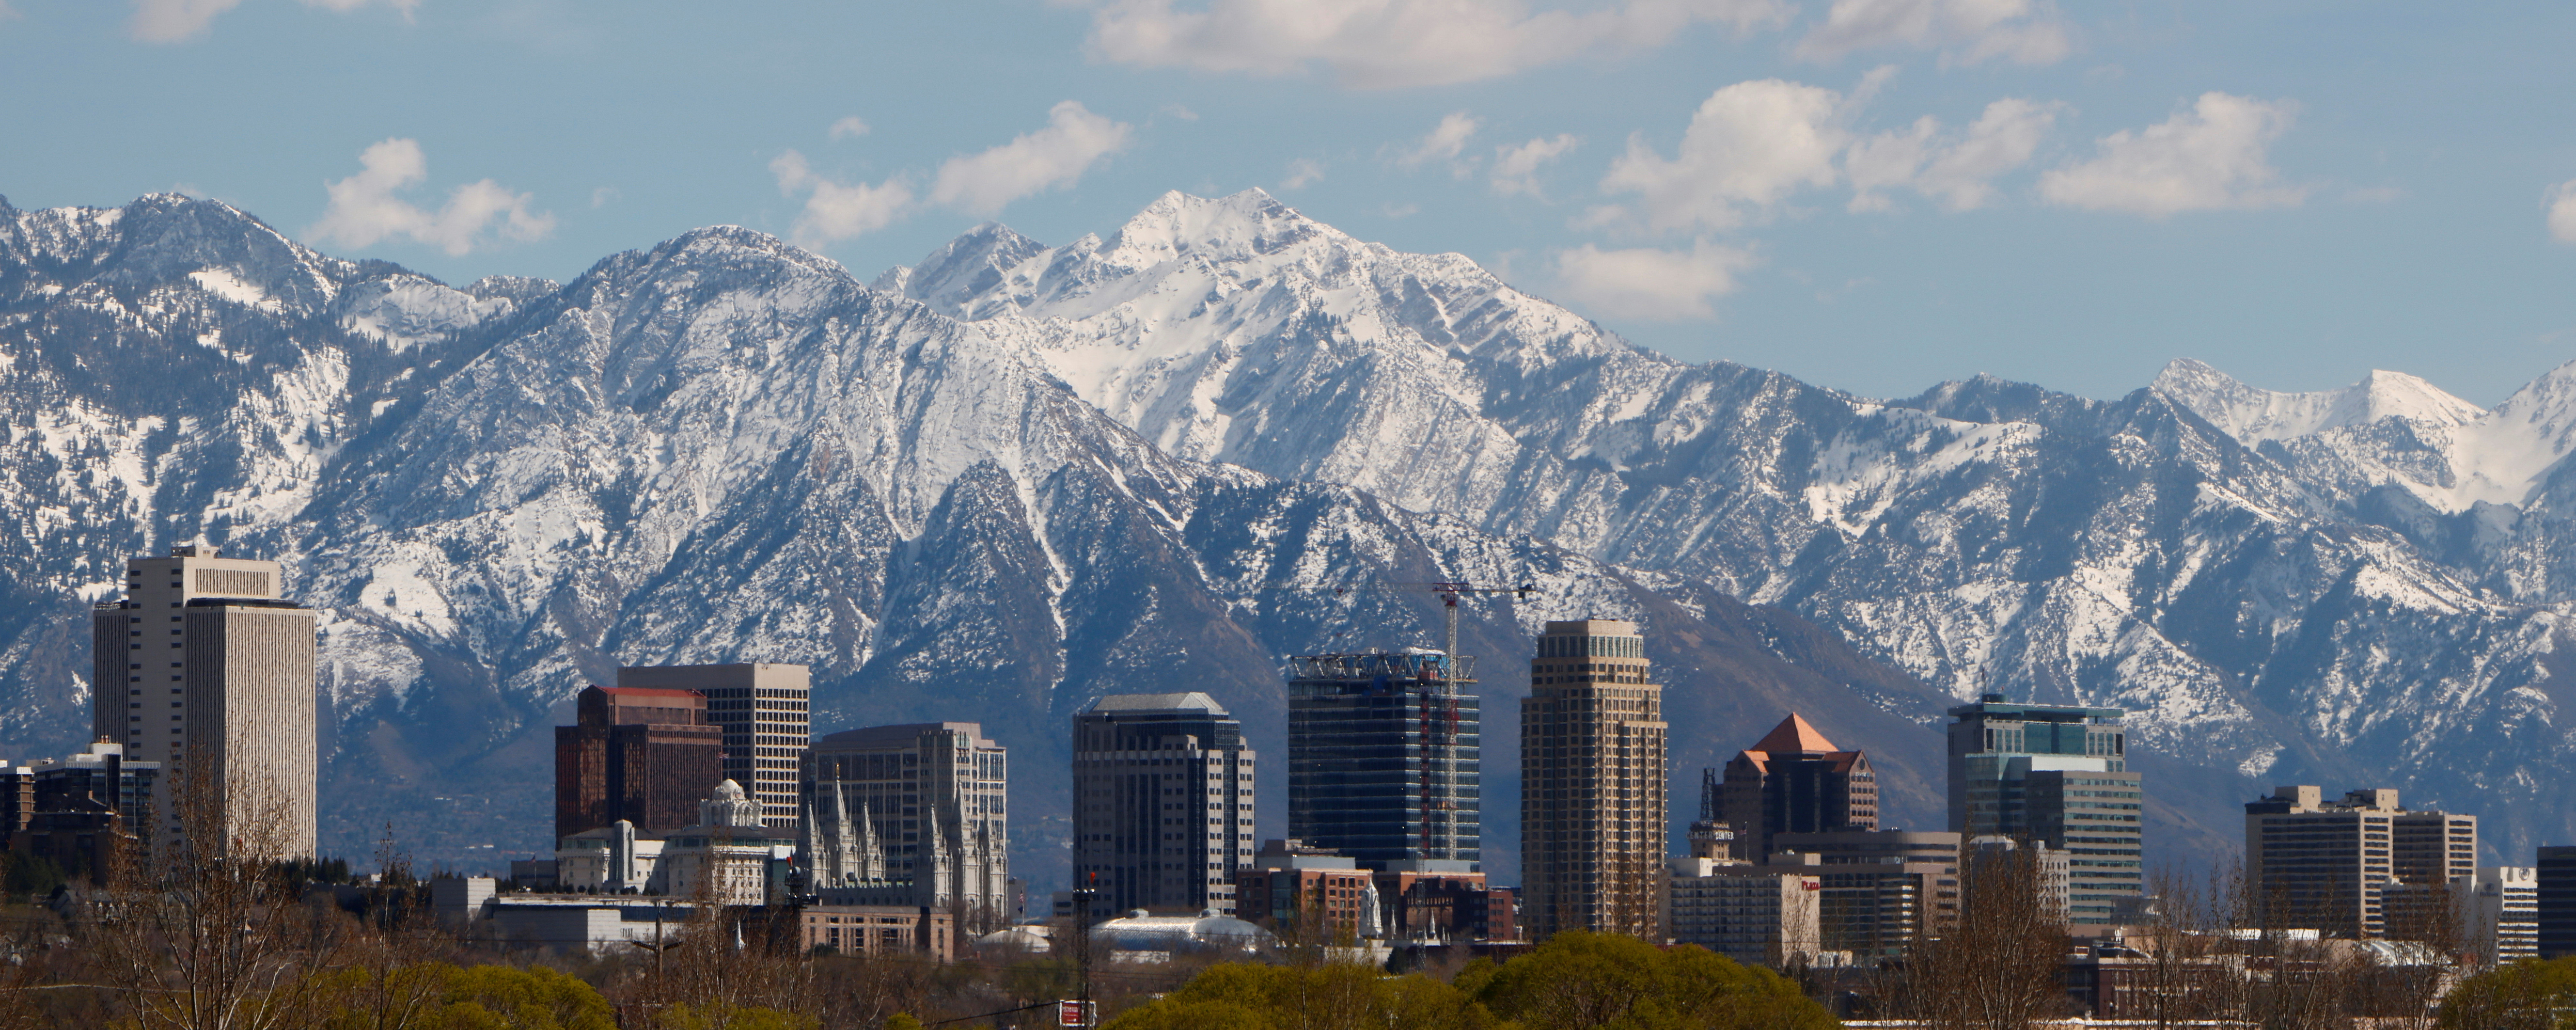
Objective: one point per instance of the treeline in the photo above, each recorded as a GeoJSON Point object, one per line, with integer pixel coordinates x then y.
{"type": "Point", "coordinates": [1575, 981]}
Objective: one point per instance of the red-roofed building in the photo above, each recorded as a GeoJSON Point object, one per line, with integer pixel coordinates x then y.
{"type": "Point", "coordinates": [1795, 781]}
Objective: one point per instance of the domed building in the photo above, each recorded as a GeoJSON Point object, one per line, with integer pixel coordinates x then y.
{"type": "Point", "coordinates": [728, 856]}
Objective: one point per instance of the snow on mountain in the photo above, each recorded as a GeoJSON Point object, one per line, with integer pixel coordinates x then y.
{"type": "Point", "coordinates": [1014, 477]}
{"type": "Point", "coordinates": [167, 366]}
{"type": "Point", "coordinates": [2255, 415]}
{"type": "Point", "coordinates": [2219, 559]}
{"type": "Point", "coordinates": [721, 448]}
{"type": "Point", "coordinates": [2398, 430]}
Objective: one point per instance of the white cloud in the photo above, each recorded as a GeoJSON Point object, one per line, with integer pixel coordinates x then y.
{"type": "Point", "coordinates": [406, 7]}
{"type": "Point", "coordinates": [1516, 167]}
{"type": "Point", "coordinates": [1391, 43]}
{"type": "Point", "coordinates": [1444, 142]}
{"type": "Point", "coordinates": [2214, 156]}
{"type": "Point", "coordinates": [1965, 31]}
{"type": "Point", "coordinates": [1074, 139]}
{"type": "Point", "coordinates": [170, 21]}
{"type": "Point", "coordinates": [851, 127]}
{"type": "Point", "coordinates": [1958, 172]}
{"type": "Point", "coordinates": [1749, 146]}
{"type": "Point", "coordinates": [603, 196]}
{"type": "Point", "coordinates": [1648, 283]}
{"type": "Point", "coordinates": [834, 211]}
{"type": "Point", "coordinates": [2562, 211]}
{"type": "Point", "coordinates": [364, 208]}
{"type": "Point", "coordinates": [1302, 172]}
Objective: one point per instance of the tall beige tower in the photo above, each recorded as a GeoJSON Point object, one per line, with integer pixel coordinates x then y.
{"type": "Point", "coordinates": [1592, 783]}
{"type": "Point", "coordinates": [217, 678]}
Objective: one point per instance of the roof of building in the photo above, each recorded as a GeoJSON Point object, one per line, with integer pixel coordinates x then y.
{"type": "Point", "coordinates": [904, 734]}
{"type": "Point", "coordinates": [1191, 701]}
{"type": "Point", "coordinates": [1027, 938]}
{"type": "Point", "coordinates": [1138, 931]}
{"type": "Point", "coordinates": [640, 692]}
{"type": "Point", "coordinates": [1592, 627]}
{"type": "Point", "coordinates": [1794, 736]}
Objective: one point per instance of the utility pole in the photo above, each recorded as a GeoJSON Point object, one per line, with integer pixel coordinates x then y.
{"type": "Point", "coordinates": [1081, 929]}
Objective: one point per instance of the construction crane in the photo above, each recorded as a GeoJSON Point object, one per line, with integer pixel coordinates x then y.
{"type": "Point", "coordinates": [1439, 726]}
{"type": "Point", "coordinates": [1449, 593]}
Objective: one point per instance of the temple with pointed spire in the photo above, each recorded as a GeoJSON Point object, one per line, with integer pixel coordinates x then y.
{"type": "Point", "coordinates": [909, 815]}
{"type": "Point", "coordinates": [1794, 781]}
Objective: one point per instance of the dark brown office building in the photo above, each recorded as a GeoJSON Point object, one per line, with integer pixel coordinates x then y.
{"type": "Point", "coordinates": [1795, 781]}
{"type": "Point", "coordinates": [643, 755]}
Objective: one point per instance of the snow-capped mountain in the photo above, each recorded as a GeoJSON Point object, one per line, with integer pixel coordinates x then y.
{"type": "Point", "coordinates": [1011, 478]}
{"type": "Point", "coordinates": [2306, 586]}
{"type": "Point", "coordinates": [722, 448]}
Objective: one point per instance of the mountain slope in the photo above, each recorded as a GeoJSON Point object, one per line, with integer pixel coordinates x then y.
{"type": "Point", "coordinates": [2279, 585]}
{"type": "Point", "coordinates": [718, 449]}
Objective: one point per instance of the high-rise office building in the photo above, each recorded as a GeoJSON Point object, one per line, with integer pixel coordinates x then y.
{"type": "Point", "coordinates": [1162, 804]}
{"type": "Point", "coordinates": [79, 813]}
{"type": "Point", "coordinates": [1767, 915]}
{"type": "Point", "coordinates": [916, 814]}
{"type": "Point", "coordinates": [639, 754]}
{"type": "Point", "coordinates": [217, 672]}
{"type": "Point", "coordinates": [1383, 759]}
{"type": "Point", "coordinates": [765, 710]}
{"type": "Point", "coordinates": [1592, 783]}
{"type": "Point", "coordinates": [1879, 890]}
{"type": "Point", "coordinates": [2358, 867]}
{"type": "Point", "coordinates": [2056, 775]}
{"type": "Point", "coordinates": [2556, 901]}
{"type": "Point", "coordinates": [1795, 781]}
{"type": "Point", "coordinates": [2499, 911]}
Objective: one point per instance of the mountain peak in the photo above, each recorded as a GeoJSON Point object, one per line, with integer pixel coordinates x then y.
{"type": "Point", "coordinates": [1178, 224]}
{"type": "Point", "coordinates": [951, 277]}
{"type": "Point", "coordinates": [2252, 414]}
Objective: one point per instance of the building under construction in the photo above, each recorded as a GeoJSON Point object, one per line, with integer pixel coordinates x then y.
{"type": "Point", "coordinates": [1383, 759]}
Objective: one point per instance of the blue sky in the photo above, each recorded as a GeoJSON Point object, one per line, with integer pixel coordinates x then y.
{"type": "Point", "coordinates": [2296, 192]}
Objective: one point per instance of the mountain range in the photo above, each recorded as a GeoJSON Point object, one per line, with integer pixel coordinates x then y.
{"type": "Point", "coordinates": [1012, 478]}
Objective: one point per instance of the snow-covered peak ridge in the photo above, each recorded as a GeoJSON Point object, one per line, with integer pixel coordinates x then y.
{"type": "Point", "coordinates": [2254, 415]}
{"type": "Point", "coordinates": [2451, 454]}
{"type": "Point", "coordinates": [2503, 456]}
{"type": "Point", "coordinates": [962, 270]}
{"type": "Point", "coordinates": [1233, 227]}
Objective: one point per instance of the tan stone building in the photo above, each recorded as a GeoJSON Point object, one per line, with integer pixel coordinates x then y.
{"type": "Point", "coordinates": [879, 930]}
{"type": "Point", "coordinates": [204, 668]}
{"type": "Point", "coordinates": [2359, 867]}
{"type": "Point", "coordinates": [1593, 783]}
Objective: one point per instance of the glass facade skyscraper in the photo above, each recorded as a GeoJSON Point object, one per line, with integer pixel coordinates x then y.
{"type": "Point", "coordinates": [1383, 759]}
{"type": "Point", "coordinates": [2058, 775]}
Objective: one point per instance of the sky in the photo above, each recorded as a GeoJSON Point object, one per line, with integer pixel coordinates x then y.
{"type": "Point", "coordinates": [1875, 195]}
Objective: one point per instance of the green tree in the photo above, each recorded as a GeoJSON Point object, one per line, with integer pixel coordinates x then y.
{"type": "Point", "coordinates": [1327, 996]}
{"type": "Point", "coordinates": [476, 998]}
{"type": "Point", "coordinates": [2527, 995]}
{"type": "Point", "coordinates": [726, 1017]}
{"type": "Point", "coordinates": [1589, 981]}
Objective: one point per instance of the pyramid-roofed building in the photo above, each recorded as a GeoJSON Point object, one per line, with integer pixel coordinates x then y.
{"type": "Point", "coordinates": [1794, 780]}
